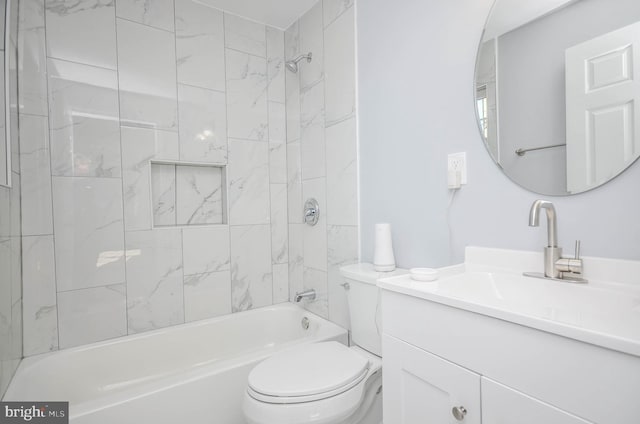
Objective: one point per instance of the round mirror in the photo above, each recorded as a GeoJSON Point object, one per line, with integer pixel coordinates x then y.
{"type": "Point", "coordinates": [557, 91]}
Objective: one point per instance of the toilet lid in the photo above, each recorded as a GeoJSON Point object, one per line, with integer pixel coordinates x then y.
{"type": "Point", "coordinates": [308, 370]}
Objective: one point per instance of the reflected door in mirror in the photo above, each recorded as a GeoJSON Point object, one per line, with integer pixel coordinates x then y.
{"type": "Point", "coordinates": [603, 107]}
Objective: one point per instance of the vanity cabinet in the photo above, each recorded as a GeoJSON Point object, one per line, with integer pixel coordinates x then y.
{"type": "Point", "coordinates": [510, 349]}
{"type": "Point", "coordinates": [421, 388]}
{"type": "Point", "coordinates": [437, 357]}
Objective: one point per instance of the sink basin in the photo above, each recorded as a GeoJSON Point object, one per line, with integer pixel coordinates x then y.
{"type": "Point", "coordinates": [490, 282]}
{"type": "Point", "coordinates": [613, 310]}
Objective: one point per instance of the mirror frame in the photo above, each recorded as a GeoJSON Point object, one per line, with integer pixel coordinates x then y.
{"type": "Point", "coordinates": [476, 117]}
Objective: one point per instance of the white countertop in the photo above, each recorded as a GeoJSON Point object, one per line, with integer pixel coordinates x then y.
{"type": "Point", "coordinates": [490, 282]}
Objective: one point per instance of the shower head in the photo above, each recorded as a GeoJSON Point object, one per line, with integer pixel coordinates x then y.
{"type": "Point", "coordinates": [292, 65]}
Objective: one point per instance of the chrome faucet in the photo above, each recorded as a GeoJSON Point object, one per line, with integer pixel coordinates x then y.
{"type": "Point", "coordinates": [555, 266]}
{"type": "Point", "coordinates": [307, 294]}
{"type": "Point", "coordinates": [552, 252]}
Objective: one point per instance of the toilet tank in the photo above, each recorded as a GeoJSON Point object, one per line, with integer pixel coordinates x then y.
{"type": "Point", "coordinates": [364, 308]}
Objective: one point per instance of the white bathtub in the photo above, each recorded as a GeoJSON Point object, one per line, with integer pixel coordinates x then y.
{"type": "Point", "coordinates": [193, 373]}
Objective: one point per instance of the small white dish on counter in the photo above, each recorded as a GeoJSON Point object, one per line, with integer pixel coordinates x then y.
{"type": "Point", "coordinates": [423, 274]}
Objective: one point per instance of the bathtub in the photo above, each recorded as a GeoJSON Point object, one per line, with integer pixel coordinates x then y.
{"type": "Point", "coordinates": [193, 373]}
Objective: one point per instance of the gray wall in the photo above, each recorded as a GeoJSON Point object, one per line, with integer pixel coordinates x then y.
{"type": "Point", "coordinates": [416, 106]}
{"type": "Point", "coordinates": [532, 88]}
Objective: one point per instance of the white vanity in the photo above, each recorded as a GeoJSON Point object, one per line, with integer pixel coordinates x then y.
{"type": "Point", "coordinates": [484, 344]}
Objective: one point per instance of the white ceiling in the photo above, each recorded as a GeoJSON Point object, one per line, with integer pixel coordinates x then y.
{"type": "Point", "coordinates": [277, 13]}
{"type": "Point", "coordinates": [511, 14]}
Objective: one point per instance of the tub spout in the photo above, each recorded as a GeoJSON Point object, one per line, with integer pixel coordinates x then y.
{"type": "Point", "coordinates": [308, 294]}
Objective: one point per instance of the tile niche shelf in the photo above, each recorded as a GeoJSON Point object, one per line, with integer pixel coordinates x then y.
{"type": "Point", "coordinates": [186, 194]}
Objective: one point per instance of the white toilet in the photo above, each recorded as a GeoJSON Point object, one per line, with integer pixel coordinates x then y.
{"type": "Point", "coordinates": [326, 383]}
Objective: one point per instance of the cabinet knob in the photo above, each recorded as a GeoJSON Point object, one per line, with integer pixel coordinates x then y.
{"type": "Point", "coordinates": [459, 412]}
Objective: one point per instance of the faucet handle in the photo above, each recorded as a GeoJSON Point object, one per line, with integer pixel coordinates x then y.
{"type": "Point", "coordinates": [571, 269]}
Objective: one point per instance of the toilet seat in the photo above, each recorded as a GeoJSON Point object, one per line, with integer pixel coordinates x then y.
{"type": "Point", "coordinates": [330, 410]}
{"type": "Point", "coordinates": [307, 373]}
{"type": "Point", "coordinates": [321, 399]}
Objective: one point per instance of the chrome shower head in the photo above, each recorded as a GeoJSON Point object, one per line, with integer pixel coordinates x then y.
{"type": "Point", "coordinates": [292, 65]}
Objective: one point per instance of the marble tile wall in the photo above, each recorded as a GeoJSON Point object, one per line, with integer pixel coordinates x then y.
{"type": "Point", "coordinates": [322, 154]}
{"type": "Point", "coordinates": [163, 81]}
{"type": "Point", "coordinates": [10, 240]}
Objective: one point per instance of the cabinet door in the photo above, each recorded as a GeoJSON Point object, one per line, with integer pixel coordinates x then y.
{"type": "Point", "coordinates": [502, 405]}
{"type": "Point", "coordinates": [421, 388]}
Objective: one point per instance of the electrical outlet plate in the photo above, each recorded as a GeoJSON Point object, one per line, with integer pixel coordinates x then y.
{"type": "Point", "coordinates": [457, 162]}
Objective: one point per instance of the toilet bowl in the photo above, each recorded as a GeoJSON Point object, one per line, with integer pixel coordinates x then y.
{"type": "Point", "coordinates": [328, 382]}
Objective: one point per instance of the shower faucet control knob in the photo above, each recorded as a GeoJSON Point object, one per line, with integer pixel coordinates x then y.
{"type": "Point", "coordinates": [311, 212]}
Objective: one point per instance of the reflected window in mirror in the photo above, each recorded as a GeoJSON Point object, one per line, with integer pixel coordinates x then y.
{"type": "Point", "coordinates": [486, 106]}
{"type": "Point", "coordinates": [483, 118]}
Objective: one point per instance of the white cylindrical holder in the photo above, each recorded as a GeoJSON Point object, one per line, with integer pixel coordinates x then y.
{"type": "Point", "coordinates": [383, 259]}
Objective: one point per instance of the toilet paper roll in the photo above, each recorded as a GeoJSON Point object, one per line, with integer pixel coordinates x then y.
{"type": "Point", "coordinates": [383, 258]}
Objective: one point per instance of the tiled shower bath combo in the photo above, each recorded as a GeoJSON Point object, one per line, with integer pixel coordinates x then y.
{"type": "Point", "coordinates": [167, 153]}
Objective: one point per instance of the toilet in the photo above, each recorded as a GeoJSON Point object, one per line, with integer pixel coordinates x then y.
{"type": "Point", "coordinates": [327, 382]}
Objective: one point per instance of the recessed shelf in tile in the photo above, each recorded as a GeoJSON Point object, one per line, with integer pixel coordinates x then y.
{"type": "Point", "coordinates": [184, 194]}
